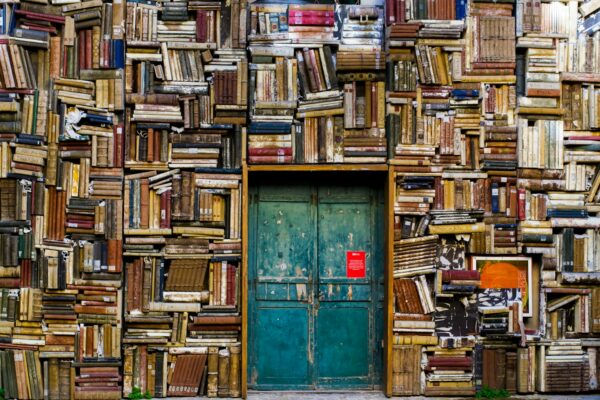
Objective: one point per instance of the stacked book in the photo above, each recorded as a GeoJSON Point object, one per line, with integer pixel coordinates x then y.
{"type": "Point", "coordinates": [449, 370]}
{"type": "Point", "coordinates": [307, 70]}
{"type": "Point", "coordinates": [186, 108]}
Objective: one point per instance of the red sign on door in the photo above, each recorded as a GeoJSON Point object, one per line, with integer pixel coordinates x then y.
{"type": "Point", "coordinates": [356, 264]}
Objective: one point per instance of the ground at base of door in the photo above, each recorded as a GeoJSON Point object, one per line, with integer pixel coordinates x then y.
{"type": "Point", "coordinates": [379, 396]}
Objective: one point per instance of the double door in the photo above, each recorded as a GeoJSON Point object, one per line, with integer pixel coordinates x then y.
{"type": "Point", "coordinates": [315, 287]}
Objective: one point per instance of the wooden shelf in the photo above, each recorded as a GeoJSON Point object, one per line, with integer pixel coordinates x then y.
{"type": "Point", "coordinates": [318, 167]}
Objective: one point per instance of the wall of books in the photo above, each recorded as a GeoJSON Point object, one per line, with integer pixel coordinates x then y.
{"type": "Point", "coordinates": [493, 114]}
{"type": "Point", "coordinates": [120, 132]}
{"type": "Point", "coordinates": [127, 128]}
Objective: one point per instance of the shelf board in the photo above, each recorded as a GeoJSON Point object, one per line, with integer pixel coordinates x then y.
{"type": "Point", "coordinates": [318, 167]}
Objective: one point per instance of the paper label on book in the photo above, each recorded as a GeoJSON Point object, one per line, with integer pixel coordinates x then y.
{"type": "Point", "coordinates": [356, 264]}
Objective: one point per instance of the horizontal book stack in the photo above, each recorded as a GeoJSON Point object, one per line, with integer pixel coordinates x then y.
{"type": "Point", "coordinates": [317, 87]}
{"type": "Point", "coordinates": [449, 370]}
{"type": "Point", "coordinates": [559, 356]}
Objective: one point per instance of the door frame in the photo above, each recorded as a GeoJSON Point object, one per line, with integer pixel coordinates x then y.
{"type": "Point", "coordinates": [386, 175]}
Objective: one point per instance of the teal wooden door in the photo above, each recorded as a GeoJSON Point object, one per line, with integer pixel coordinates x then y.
{"type": "Point", "coordinates": [311, 326]}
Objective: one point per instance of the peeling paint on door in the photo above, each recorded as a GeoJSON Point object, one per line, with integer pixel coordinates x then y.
{"type": "Point", "coordinates": [305, 312]}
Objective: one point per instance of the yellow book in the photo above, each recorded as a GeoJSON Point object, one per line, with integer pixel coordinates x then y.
{"type": "Point", "coordinates": [540, 111]}
{"type": "Point", "coordinates": [489, 79]}
{"type": "Point", "coordinates": [450, 384]}
{"type": "Point", "coordinates": [75, 169]}
{"type": "Point", "coordinates": [320, 113]}
{"type": "Point", "coordinates": [456, 228]}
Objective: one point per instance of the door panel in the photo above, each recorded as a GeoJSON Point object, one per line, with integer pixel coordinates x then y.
{"type": "Point", "coordinates": [342, 346]}
{"type": "Point", "coordinates": [283, 251]}
{"type": "Point", "coordinates": [311, 326]}
{"type": "Point", "coordinates": [343, 323]}
{"type": "Point", "coordinates": [286, 345]}
{"type": "Point", "coordinates": [286, 236]}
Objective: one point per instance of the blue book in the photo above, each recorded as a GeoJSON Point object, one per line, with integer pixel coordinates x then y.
{"type": "Point", "coordinates": [458, 288]}
{"type": "Point", "coordinates": [495, 198]}
{"type": "Point", "coordinates": [465, 93]}
{"type": "Point", "coordinates": [131, 188]}
{"type": "Point", "coordinates": [269, 127]}
{"type": "Point", "coordinates": [3, 11]}
{"type": "Point", "coordinates": [591, 24]}
{"type": "Point", "coordinates": [118, 53]}
{"type": "Point", "coordinates": [101, 119]}
{"type": "Point", "coordinates": [225, 258]}
{"type": "Point", "coordinates": [161, 279]}
{"type": "Point", "coordinates": [31, 34]}
{"type": "Point", "coordinates": [153, 125]}
{"type": "Point", "coordinates": [505, 226]}
{"type": "Point", "coordinates": [37, 138]}
{"type": "Point", "coordinates": [12, 21]}
{"type": "Point", "coordinates": [461, 9]}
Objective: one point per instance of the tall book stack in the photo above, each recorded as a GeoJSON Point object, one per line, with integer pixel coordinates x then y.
{"type": "Point", "coordinates": [83, 237]}
{"type": "Point", "coordinates": [273, 85]}
{"type": "Point", "coordinates": [62, 102]}
{"type": "Point", "coordinates": [361, 49]}
{"type": "Point", "coordinates": [186, 104]}
{"type": "Point", "coordinates": [317, 87]}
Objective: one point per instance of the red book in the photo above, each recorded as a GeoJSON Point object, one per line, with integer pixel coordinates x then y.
{"type": "Point", "coordinates": [390, 6]}
{"type": "Point", "coordinates": [25, 275]}
{"type": "Point", "coordinates": [81, 49]}
{"type": "Point", "coordinates": [106, 58]}
{"type": "Point", "coordinates": [144, 204]}
{"type": "Point", "coordinates": [143, 367]}
{"type": "Point", "coordinates": [521, 204]}
{"type": "Point", "coordinates": [327, 21]}
{"type": "Point", "coordinates": [118, 147]}
{"type": "Point", "coordinates": [450, 362]}
{"type": "Point", "coordinates": [40, 17]}
{"type": "Point", "coordinates": [150, 152]}
{"type": "Point", "coordinates": [310, 14]}
{"type": "Point", "coordinates": [460, 275]}
{"type": "Point", "coordinates": [439, 193]}
{"type": "Point", "coordinates": [10, 282]}
{"type": "Point", "coordinates": [270, 159]}
{"type": "Point", "coordinates": [582, 138]}
{"type": "Point", "coordinates": [201, 26]}
{"type": "Point", "coordinates": [402, 11]}
{"type": "Point", "coordinates": [112, 253]}
{"type": "Point", "coordinates": [280, 151]}
{"type": "Point", "coordinates": [543, 92]}
{"type": "Point", "coordinates": [88, 49]}
{"type": "Point", "coordinates": [200, 328]}
{"type": "Point", "coordinates": [35, 27]}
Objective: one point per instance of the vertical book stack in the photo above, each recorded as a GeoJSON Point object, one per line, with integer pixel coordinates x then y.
{"type": "Point", "coordinates": [186, 101]}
